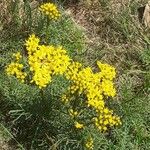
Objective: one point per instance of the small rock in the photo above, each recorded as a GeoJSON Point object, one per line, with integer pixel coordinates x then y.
{"type": "Point", "coordinates": [146, 15]}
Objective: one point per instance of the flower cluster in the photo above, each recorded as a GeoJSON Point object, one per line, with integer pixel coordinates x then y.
{"type": "Point", "coordinates": [89, 144]}
{"type": "Point", "coordinates": [32, 44]}
{"type": "Point", "coordinates": [87, 89]}
{"type": "Point", "coordinates": [106, 118]}
{"type": "Point", "coordinates": [50, 10]}
{"type": "Point", "coordinates": [107, 71]}
{"type": "Point", "coordinates": [73, 113]}
{"type": "Point", "coordinates": [17, 56]}
{"type": "Point", "coordinates": [45, 61]}
{"type": "Point", "coordinates": [15, 68]}
{"type": "Point", "coordinates": [78, 125]}
{"type": "Point", "coordinates": [96, 87]}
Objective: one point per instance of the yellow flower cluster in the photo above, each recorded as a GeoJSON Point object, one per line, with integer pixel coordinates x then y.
{"type": "Point", "coordinates": [17, 56]}
{"type": "Point", "coordinates": [105, 118]}
{"type": "Point", "coordinates": [16, 70]}
{"type": "Point", "coordinates": [45, 61]}
{"type": "Point", "coordinates": [73, 113]}
{"type": "Point", "coordinates": [89, 144]}
{"type": "Point", "coordinates": [79, 125]}
{"type": "Point", "coordinates": [32, 44]}
{"type": "Point", "coordinates": [50, 10]}
{"type": "Point", "coordinates": [96, 87]}
{"type": "Point", "coordinates": [107, 71]}
{"type": "Point", "coordinates": [64, 98]}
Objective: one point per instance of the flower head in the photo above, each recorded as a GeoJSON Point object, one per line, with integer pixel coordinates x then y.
{"type": "Point", "coordinates": [32, 44]}
{"type": "Point", "coordinates": [50, 10]}
{"type": "Point", "coordinates": [17, 56]}
{"type": "Point", "coordinates": [89, 144]}
{"type": "Point", "coordinates": [45, 61]}
{"type": "Point", "coordinates": [16, 70]}
{"type": "Point", "coordinates": [107, 71]}
{"type": "Point", "coordinates": [96, 87]}
{"type": "Point", "coordinates": [79, 125]}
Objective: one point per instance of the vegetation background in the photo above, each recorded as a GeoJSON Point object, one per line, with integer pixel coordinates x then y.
{"type": "Point", "coordinates": [106, 30]}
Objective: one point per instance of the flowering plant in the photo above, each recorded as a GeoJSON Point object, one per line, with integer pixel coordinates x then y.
{"type": "Point", "coordinates": [85, 98]}
{"type": "Point", "coordinates": [88, 91]}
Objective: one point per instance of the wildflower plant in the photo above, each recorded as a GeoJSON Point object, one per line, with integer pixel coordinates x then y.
{"type": "Point", "coordinates": [85, 99]}
{"type": "Point", "coordinates": [88, 91]}
{"type": "Point", "coordinates": [52, 13]}
{"type": "Point", "coordinates": [95, 88]}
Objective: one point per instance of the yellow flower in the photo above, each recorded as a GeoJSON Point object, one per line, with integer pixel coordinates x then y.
{"type": "Point", "coordinates": [107, 71]}
{"type": "Point", "coordinates": [73, 113]}
{"type": "Point", "coordinates": [104, 128]}
{"type": "Point", "coordinates": [17, 56]}
{"type": "Point", "coordinates": [64, 98]}
{"type": "Point", "coordinates": [32, 44]}
{"type": "Point", "coordinates": [89, 144]}
{"type": "Point", "coordinates": [78, 125]}
{"type": "Point", "coordinates": [16, 70]}
{"type": "Point", "coordinates": [50, 10]}
{"type": "Point", "coordinates": [108, 88]}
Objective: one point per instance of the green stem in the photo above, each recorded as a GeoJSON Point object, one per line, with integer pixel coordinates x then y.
{"type": "Point", "coordinates": [43, 102]}
{"type": "Point", "coordinates": [42, 94]}
{"type": "Point", "coordinates": [47, 29]}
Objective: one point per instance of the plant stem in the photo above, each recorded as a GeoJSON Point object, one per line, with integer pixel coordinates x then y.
{"type": "Point", "coordinates": [47, 29]}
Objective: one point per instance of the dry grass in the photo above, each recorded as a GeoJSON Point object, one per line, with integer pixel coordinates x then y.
{"type": "Point", "coordinates": [5, 142]}
{"type": "Point", "coordinates": [10, 10]}
{"type": "Point", "coordinates": [114, 33]}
